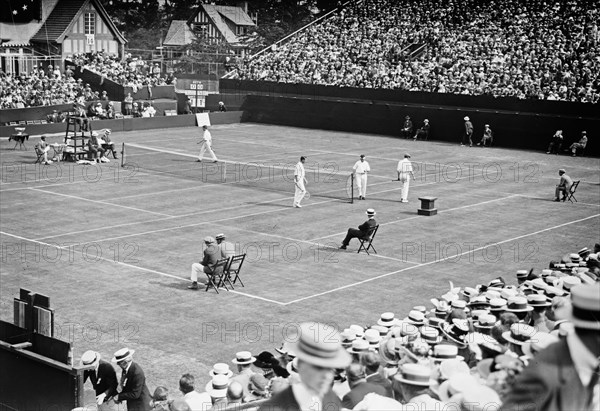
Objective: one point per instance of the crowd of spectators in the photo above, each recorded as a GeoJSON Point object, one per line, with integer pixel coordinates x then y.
{"type": "Point", "coordinates": [528, 49]}
{"type": "Point", "coordinates": [41, 87]}
{"type": "Point", "coordinates": [474, 344]}
{"type": "Point", "coordinates": [129, 72]}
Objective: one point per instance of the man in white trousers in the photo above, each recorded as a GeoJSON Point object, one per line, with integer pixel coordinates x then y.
{"type": "Point", "coordinates": [361, 168]}
{"type": "Point", "coordinates": [206, 145]}
{"type": "Point", "coordinates": [405, 173]}
{"type": "Point", "coordinates": [299, 180]}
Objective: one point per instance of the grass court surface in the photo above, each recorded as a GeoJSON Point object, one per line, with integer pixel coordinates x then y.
{"type": "Point", "coordinates": [113, 247]}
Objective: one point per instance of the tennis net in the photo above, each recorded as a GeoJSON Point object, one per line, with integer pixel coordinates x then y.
{"type": "Point", "coordinates": [323, 180]}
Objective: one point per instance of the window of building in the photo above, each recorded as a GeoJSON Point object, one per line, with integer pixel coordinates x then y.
{"type": "Point", "coordinates": [90, 23]}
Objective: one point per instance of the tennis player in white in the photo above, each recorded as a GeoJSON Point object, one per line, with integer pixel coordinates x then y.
{"type": "Point", "coordinates": [299, 180]}
{"type": "Point", "coordinates": [405, 173]}
{"type": "Point", "coordinates": [361, 168]}
{"type": "Point", "coordinates": [206, 145]}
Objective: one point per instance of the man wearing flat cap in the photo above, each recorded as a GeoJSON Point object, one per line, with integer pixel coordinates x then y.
{"type": "Point", "coordinates": [565, 374]}
{"type": "Point", "coordinates": [319, 352]}
{"type": "Point", "coordinates": [103, 378]}
{"type": "Point", "coordinates": [564, 185]}
{"type": "Point", "coordinates": [360, 170]}
{"type": "Point", "coordinates": [363, 231]}
{"type": "Point", "coordinates": [212, 254]}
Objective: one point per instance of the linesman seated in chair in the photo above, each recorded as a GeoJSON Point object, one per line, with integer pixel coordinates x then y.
{"type": "Point", "coordinates": [563, 186]}
{"type": "Point", "coordinates": [106, 142]}
{"type": "Point", "coordinates": [212, 253]}
{"type": "Point", "coordinates": [96, 152]}
{"type": "Point", "coordinates": [362, 231]}
{"type": "Point", "coordinates": [42, 148]}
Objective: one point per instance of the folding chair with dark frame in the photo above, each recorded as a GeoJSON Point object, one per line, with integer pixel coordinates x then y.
{"type": "Point", "coordinates": [234, 268]}
{"type": "Point", "coordinates": [369, 240]}
{"type": "Point", "coordinates": [40, 156]}
{"type": "Point", "coordinates": [572, 190]}
{"type": "Point", "coordinates": [217, 273]}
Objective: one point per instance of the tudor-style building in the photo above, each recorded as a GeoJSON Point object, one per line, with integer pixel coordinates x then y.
{"type": "Point", "coordinates": [59, 29]}
{"type": "Point", "coordinates": [228, 24]}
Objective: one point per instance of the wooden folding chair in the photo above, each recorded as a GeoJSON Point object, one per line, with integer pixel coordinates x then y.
{"type": "Point", "coordinates": [571, 193]}
{"type": "Point", "coordinates": [215, 278]}
{"type": "Point", "coordinates": [40, 155]}
{"type": "Point", "coordinates": [368, 239]}
{"type": "Point", "coordinates": [235, 267]}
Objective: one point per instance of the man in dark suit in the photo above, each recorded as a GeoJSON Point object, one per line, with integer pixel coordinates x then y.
{"type": "Point", "coordinates": [103, 377]}
{"type": "Point", "coordinates": [212, 253]}
{"type": "Point", "coordinates": [371, 362]}
{"type": "Point", "coordinates": [133, 382]}
{"type": "Point", "coordinates": [363, 230]}
{"type": "Point", "coordinates": [319, 352]}
{"type": "Point", "coordinates": [564, 376]}
{"type": "Point", "coordinates": [359, 387]}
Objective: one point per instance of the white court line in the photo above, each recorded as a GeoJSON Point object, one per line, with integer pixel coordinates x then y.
{"type": "Point", "coordinates": [437, 261]}
{"type": "Point", "coordinates": [137, 267]}
{"type": "Point", "coordinates": [418, 216]}
{"type": "Point", "coordinates": [99, 202]}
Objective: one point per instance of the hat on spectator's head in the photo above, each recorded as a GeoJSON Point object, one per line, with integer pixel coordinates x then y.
{"type": "Point", "coordinates": [362, 156]}
{"type": "Point", "coordinates": [586, 306]}
{"type": "Point", "coordinates": [319, 344]}
{"type": "Point", "coordinates": [386, 319]}
{"type": "Point", "coordinates": [562, 170]}
{"type": "Point", "coordinates": [358, 346]}
{"type": "Point", "coordinates": [243, 357]}
{"type": "Point", "coordinates": [426, 121]}
{"type": "Point", "coordinates": [221, 369]}
{"type": "Point", "coordinates": [406, 155]}
{"type": "Point", "coordinates": [370, 212]}
{"type": "Point", "coordinates": [217, 387]}
{"type": "Point", "coordinates": [414, 374]}
{"type": "Point", "coordinates": [457, 331]}
{"type": "Point", "coordinates": [122, 355]}
{"type": "Point", "coordinates": [347, 336]}
{"type": "Point", "coordinates": [487, 125]}
{"type": "Point", "coordinates": [264, 360]}
{"type": "Point", "coordinates": [89, 358]}
{"type": "Point", "coordinates": [466, 118]}
{"type": "Point", "coordinates": [209, 240]}
{"type": "Point", "coordinates": [43, 137]}
{"type": "Point", "coordinates": [584, 132]}
{"type": "Point", "coordinates": [220, 236]}
{"type": "Point", "coordinates": [519, 333]}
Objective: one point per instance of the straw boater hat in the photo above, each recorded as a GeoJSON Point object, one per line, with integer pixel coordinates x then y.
{"type": "Point", "coordinates": [89, 358]}
{"type": "Point", "coordinates": [217, 387]}
{"type": "Point", "coordinates": [457, 332]}
{"type": "Point", "coordinates": [466, 118]}
{"type": "Point", "coordinates": [538, 300]}
{"type": "Point", "coordinates": [420, 308]}
{"type": "Point", "coordinates": [586, 306]}
{"type": "Point", "coordinates": [386, 320]}
{"type": "Point", "coordinates": [222, 369]}
{"type": "Point", "coordinates": [383, 331]}
{"type": "Point", "coordinates": [442, 352]}
{"type": "Point", "coordinates": [569, 282]}
{"type": "Point", "coordinates": [318, 345]}
{"type": "Point", "coordinates": [435, 322]}
{"type": "Point", "coordinates": [243, 357]}
{"type": "Point", "coordinates": [347, 337]}
{"type": "Point", "coordinates": [415, 317]}
{"type": "Point", "coordinates": [358, 330]}
{"type": "Point", "coordinates": [484, 323]}
{"type": "Point", "coordinates": [359, 346]}
{"type": "Point", "coordinates": [522, 275]}
{"type": "Point", "coordinates": [122, 355]}
{"type": "Point", "coordinates": [414, 374]}
{"type": "Point", "coordinates": [372, 337]}
{"type": "Point", "coordinates": [497, 304]}
{"type": "Point", "coordinates": [370, 212]}
{"type": "Point", "coordinates": [430, 335]}
{"type": "Point", "coordinates": [519, 333]}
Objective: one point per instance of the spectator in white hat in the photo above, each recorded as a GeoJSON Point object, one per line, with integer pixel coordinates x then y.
{"type": "Point", "coordinates": [244, 361]}
{"type": "Point", "coordinates": [468, 132]}
{"type": "Point", "coordinates": [319, 353]}
{"type": "Point", "coordinates": [133, 387]}
{"type": "Point", "coordinates": [212, 254]}
{"type": "Point", "coordinates": [363, 230]}
{"type": "Point", "coordinates": [103, 377]}
{"type": "Point", "coordinates": [565, 374]}
{"type": "Point", "coordinates": [227, 249]}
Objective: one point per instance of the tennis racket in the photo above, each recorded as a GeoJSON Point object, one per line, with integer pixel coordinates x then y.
{"type": "Point", "coordinates": [306, 195]}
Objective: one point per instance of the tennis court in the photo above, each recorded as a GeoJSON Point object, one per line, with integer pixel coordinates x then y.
{"type": "Point", "coordinates": [113, 246]}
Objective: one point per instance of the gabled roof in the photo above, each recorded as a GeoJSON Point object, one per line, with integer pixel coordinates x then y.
{"type": "Point", "coordinates": [63, 17]}
{"type": "Point", "coordinates": [179, 34]}
{"type": "Point", "coordinates": [19, 34]}
{"type": "Point", "coordinates": [218, 14]}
